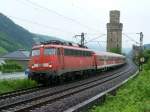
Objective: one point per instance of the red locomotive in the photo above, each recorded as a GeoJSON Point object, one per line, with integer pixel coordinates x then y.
{"type": "Point", "coordinates": [54, 59]}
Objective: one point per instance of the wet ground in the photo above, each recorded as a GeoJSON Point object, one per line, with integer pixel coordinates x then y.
{"type": "Point", "coordinates": [15, 75]}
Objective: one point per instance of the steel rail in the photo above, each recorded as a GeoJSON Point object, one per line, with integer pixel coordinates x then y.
{"type": "Point", "coordinates": [20, 91]}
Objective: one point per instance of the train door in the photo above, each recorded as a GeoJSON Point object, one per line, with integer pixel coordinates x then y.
{"type": "Point", "coordinates": [40, 60]}
{"type": "Point", "coordinates": [61, 57]}
{"type": "Point", "coordinates": [94, 62]}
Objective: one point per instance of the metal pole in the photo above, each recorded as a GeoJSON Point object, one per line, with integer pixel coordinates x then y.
{"type": "Point", "coordinates": [141, 51]}
{"type": "Point", "coordinates": [141, 41]}
{"type": "Point", "coordinates": [82, 38]}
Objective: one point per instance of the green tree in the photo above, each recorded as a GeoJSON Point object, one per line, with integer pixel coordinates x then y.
{"type": "Point", "coordinates": [115, 50]}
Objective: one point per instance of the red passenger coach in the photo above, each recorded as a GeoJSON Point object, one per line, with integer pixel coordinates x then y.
{"type": "Point", "coordinates": [54, 58]}
{"type": "Point", "coordinates": [108, 59]}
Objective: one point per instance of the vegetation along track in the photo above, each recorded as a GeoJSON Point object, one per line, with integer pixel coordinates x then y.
{"type": "Point", "coordinates": [30, 101]}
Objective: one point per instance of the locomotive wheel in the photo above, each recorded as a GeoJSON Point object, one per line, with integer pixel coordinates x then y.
{"type": "Point", "coordinates": [60, 79]}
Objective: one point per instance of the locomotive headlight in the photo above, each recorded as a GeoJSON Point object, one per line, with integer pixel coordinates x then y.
{"type": "Point", "coordinates": [32, 66]}
{"type": "Point", "coordinates": [50, 66]}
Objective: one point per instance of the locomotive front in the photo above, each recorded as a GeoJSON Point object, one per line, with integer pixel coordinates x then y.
{"type": "Point", "coordinates": [43, 62]}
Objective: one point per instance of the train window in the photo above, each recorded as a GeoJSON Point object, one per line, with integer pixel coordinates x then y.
{"type": "Point", "coordinates": [84, 53]}
{"type": "Point", "coordinates": [35, 52]}
{"type": "Point", "coordinates": [72, 52]}
{"type": "Point", "coordinates": [103, 57]}
{"type": "Point", "coordinates": [81, 53]}
{"type": "Point", "coordinates": [88, 53]}
{"type": "Point", "coordinates": [49, 51]}
{"type": "Point", "coordinates": [77, 53]}
{"type": "Point", "coordinates": [65, 52]}
{"type": "Point", "coordinates": [68, 52]}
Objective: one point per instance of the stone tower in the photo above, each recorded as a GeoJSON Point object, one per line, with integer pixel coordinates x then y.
{"type": "Point", "coordinates": [114, 32]}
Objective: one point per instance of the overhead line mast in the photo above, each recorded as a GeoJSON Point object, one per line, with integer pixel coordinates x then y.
{"type": "Point", "coordinates": [82, 42]}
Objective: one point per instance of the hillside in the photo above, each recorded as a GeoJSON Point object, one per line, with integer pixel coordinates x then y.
{"type": "Point", "coordinates": [147, 46]}
{"type": "Point", "coordinates": [14, 37]}
{"type": "Point", "coordinates": [40, 38]}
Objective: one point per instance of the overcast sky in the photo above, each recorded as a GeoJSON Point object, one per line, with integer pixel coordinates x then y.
{"type": "Point", "coordinates": [66, 18]}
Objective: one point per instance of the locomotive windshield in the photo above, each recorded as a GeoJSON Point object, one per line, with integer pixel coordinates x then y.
{"type": "Point", "coordinates": [49, 51]}
{"type": "Point", "coordinates": [35, 52]}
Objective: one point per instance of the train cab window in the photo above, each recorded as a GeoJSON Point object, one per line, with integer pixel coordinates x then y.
{"type": "Point", "coordinates": [49, 51]}
{"type": "Point", "coordinates": [35, 52]}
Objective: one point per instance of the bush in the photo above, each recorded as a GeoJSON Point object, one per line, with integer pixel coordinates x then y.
{"type": "Point", "coordinates": [11, 85]}
{"type": "Point", "coordinates": [115, 50]}
{"type": "Point", "coordinates": [132, 97]}
{"type": "Point", "coordinates": [11, 66]}
{"type": "Point", "coordinates": [147, 55]}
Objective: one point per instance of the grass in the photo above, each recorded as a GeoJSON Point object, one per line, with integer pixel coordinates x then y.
{"type": "Point", "coordinates": [3, 50]}
{"type": "Point", "coordinates": [134, 96]}
{"type": "Point", "coordinates": [11, 85]}
{"type": "Point", "coordinates": [11, 66]}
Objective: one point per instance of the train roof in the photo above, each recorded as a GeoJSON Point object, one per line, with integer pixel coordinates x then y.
{"type": "Point", "coordinates": [59, 43]}
{"type": "Point", "coordinates": [69, 45]}
{"type": "Point", "coordinates": [101, 53]}
{"type": "Point", "coordinates": [64, 46]}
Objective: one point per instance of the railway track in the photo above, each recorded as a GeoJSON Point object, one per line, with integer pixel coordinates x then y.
{"type": "Point", "coordinates": [67, 102]}
{"type": "Point", "coordinates": [27, 101]}
{"type": "Point", "coordinates": [20, 91]}
{"type": "Point", "coordinates": [32, 89]}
